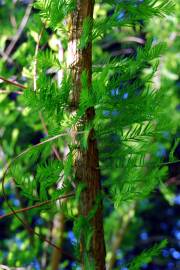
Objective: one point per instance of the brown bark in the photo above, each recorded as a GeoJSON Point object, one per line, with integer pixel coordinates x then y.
{"type": "Point", "coordinates": [86, 162]}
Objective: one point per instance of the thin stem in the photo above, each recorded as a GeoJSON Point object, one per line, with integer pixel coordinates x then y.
{"type": "Point", "coordinates": [13, 83]}
{"type": "Point", "coordinates": [19, 31]}
{"type": "Point", "coordinates": [25, 209]}
{"type": "Point", "coordinates": [35, 60]}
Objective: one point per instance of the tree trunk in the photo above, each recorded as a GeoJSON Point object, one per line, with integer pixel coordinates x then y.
{"type": "Point", "coordinates": [86, 162]}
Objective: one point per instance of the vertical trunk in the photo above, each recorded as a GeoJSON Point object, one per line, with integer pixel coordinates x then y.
{"type": "Point", "coordinates": [86, 162]}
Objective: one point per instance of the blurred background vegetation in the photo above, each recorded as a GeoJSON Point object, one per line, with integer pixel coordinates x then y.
{"type": "Point", "coordinates": [129, 228]}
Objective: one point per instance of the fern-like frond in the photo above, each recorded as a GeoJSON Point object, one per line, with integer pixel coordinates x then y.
{"type": "Point", "coordinates": [147, 256]}
{"type": "Point", "coordinates": [54, 11]}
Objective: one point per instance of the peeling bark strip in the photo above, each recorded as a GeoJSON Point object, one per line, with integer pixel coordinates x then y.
{"type": "Point", "coordinates": [86, 162]}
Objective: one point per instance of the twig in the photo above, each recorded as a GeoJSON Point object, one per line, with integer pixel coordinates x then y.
{"type": "Point", "coordinates": [133, 39]}
{"type": "Point", "coordinates": [35, 60]}
{"type": "Point", "coordinates": [13, 82]}
{"type": "Point", "coordinates": [25, 209]}
{"type": "Point", "coordinates": [37, 145]}
{"type": "Point", "coordinates": [138, 40]}
{"type": "Point", "coordinates": [19, 31]}
{"type": "Point", "coordinates": [7, 58]}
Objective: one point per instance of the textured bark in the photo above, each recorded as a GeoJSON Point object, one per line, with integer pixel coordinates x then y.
{"type": "Point", "coordinates": [86, 162]}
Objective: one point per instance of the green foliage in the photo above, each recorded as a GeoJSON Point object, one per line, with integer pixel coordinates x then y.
{"type": "Point", "coordinates": [134, 12]}
{"type": "Point", "coordinates": [47, 176]}
{"type": "Point", "coordinates": [54, 11]}
{"type": "Point", "coordinates": [46, 60]}
{"type": "Point", "coordinates": [85, 37]}
{"type": "Point", "coordinates": [147, 256]}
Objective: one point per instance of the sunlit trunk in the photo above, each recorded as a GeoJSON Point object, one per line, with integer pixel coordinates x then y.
{"type": "Point", "coordinates": [86, 162]}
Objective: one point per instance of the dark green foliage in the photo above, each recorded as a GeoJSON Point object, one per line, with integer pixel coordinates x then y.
{"type": "Point", "coordinates": [53, 12]}
{"type": "Point", "coordinates": [147, 255]}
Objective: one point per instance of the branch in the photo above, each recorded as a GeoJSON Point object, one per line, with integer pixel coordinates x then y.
{"type": "Point", "coordinates": [25, 209]}
{"type": "Point", "coordinates": [13, 82]}
{"type": "Point", "coordinates": [133, 39]}
{"type": "Point", "coordinates": [35, 60]}
{"type": "Point", "coordinates": [19, 31]}
{"type": "Point", "coordinates": [7, 58]}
